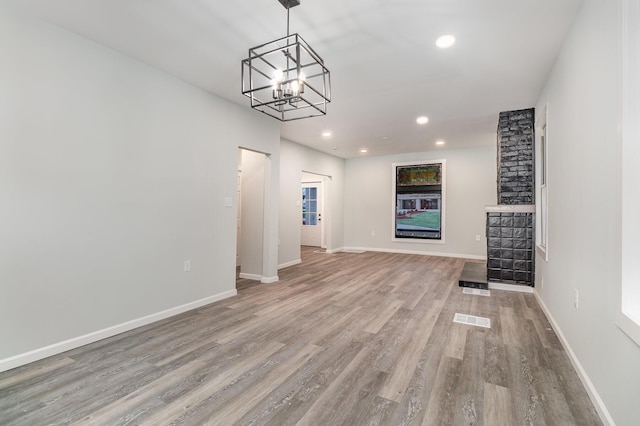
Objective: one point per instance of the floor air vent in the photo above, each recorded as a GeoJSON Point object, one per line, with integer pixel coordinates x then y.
{"type": "Point", "coordinates": [472, 320]}
{"type": "Point", "coordinates": [476, 291]}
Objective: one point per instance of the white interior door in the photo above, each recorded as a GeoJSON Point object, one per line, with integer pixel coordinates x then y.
{"type": "Point", "coordinates": [312, 225]}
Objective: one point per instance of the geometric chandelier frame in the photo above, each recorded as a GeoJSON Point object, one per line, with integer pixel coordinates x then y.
{"type": "Point", "coordinates": [286, 79]}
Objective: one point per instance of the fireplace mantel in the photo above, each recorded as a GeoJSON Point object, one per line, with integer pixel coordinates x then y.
{"type": "Point", "coordinates": [506, 208]}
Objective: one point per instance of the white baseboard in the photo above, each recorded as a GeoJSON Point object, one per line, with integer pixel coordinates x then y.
{"type": "Point", "coordinates": [335, 250]}
{"type": "Point", "coordinates": [510, 287]}
{"type": "Point", "coordinates": [253, 277]}
{"type": "Point", "coordinates": [287, 264]}
{"type": "Point", "coordinates": [76, 342]}
{"type": "Point", "coordinates": [269, 280]}
{"type": "Point", "coordinates": [425, 253]}
{"type": "Point", "coordinates": [598, 403]}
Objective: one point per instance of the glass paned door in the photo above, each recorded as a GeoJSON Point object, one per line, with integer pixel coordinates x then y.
{"type": "Point", "coordinates": [310, 206]}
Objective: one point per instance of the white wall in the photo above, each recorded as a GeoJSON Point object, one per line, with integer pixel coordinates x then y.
{"type": "Point", "coordinates": [583, 98]}
{"type": "Point", "coordinates": [112, 174]}
{"type": "Point", "coordinates": [296, 159]}
{"type": "Point", "coordinates": [470, 186]}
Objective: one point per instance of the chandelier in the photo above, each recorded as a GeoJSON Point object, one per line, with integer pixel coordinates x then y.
{"type": "Point", "coordinates": [285, 78]}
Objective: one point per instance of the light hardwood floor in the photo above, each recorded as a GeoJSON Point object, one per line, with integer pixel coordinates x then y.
{"type": "Point", "coordinates": [342, 339]}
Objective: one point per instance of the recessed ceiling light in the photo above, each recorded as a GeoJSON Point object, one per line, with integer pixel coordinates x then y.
{"type": "Point", "coordinates": [363, 151]}
{"type": "Point", "coordinates": [386, 138]}
{"type": "Point", "coordinates": [326, 134]}
{"type": "Point", "coordinates": [440, 142]}
{"type": "Point", "coordinates": [445, 41]}
{"type": "Point", "coordinates": [422, 120]}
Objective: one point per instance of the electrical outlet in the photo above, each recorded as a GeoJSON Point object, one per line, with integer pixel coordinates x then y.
{"type": "Point", "coordinates": [373, 233]}
{"type": "Point", "coordinates": [575, 298]}
{"type": "Point", "coordinates": [187, 266]}
{"type": "Point", "coordinates": [477, 237]}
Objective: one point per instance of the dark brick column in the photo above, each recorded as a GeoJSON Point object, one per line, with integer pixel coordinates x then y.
{"type": "Point", "coordinates": [510, 225]}
{"type": "Point", "coordinates": [516, 179]}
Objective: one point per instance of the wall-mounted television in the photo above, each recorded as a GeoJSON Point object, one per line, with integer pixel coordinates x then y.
{"type": "Point", "coordinates": [419, 215]}
{"type": "Point", "coordinates": [419, 200]}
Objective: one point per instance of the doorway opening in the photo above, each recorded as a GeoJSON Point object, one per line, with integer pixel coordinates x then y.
{"type": "Point", "coordinates": [252, 167]}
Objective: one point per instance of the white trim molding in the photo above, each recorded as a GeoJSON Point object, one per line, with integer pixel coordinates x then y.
{"type": "Point", "coordinates": [270, 280]}
{"type": "Point", "coordinates": [291, 263]}
{"type": "Point", "coordinates": [628, 291]}
{"type": "Point", "coordinates": [424, 253]}
{"type": "Point", "coordinates": [542, 183]}
{"type": "Point", "coordinates": [253, 277]}
{"type": "Point", "coordinates": [335, 250]}
{"type": "Point", "coordinates": [76, 342]}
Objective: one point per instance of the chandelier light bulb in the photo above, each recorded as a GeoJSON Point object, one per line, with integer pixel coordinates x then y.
{"type": "Point", "coordinates": [276, 83]}
{"type": "Point", "coordinates": [301, 80]}
{"type": "Point", "coordinates": [445, 41]}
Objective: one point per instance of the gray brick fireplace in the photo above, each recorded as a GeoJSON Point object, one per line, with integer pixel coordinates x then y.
{"type": "Point", "coordinates": [510, 224]}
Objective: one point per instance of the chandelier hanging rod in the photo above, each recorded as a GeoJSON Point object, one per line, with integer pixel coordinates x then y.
{"type": "Point", "coordinates": [287, 18]}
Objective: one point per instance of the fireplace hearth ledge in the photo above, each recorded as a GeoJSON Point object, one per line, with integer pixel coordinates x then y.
{"type": "Point", "coordinates": [510, 287]}
{"type": "Point", "coordinates": [506, 208]}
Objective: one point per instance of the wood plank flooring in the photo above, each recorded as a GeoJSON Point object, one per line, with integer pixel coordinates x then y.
{"type": "Point", "coordinates": [342, 339]}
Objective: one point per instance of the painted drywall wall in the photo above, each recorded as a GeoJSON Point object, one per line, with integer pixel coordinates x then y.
{"type": "Point", "coordinates": [112, 174]}
{"type": "Point", "coordinates": [470, 186]}
{"type": "Point", "coordinates": [296, 159]}
{"type": "Point", "coordinates": [583, 98]}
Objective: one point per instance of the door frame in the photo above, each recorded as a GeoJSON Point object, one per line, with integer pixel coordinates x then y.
{"type": "Point", "coordinates": [318, 237]}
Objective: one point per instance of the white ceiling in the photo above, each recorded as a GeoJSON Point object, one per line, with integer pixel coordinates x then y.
{"type": "Point", "coordinates": [385, 67]}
